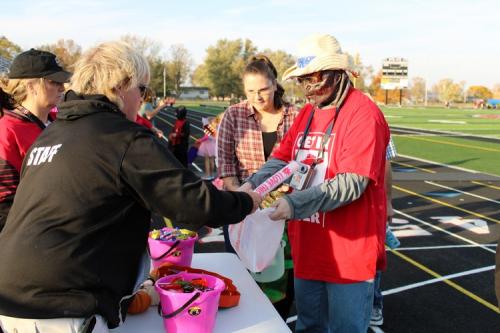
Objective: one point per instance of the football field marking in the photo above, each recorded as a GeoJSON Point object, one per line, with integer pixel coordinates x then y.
{"type": "Point", "coordinates": [484, 217]}
{"type": "Point", "coordinates": [460, 191]}
{"type": "Point", "coordinates": [445, 231]}
{"type": "Point", "coordinates": [440, 279]}
{"type": "Point", "coordinates": [447, 281]}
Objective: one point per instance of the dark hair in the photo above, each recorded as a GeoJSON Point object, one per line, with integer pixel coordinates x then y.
{"type": "Point", "coordinates": [260, 64]}
{"type": "Point", "coordinates": [6, 102]}
{"type": "Point", "coordinates": [181, 112]}
{"type": "Point", "coordinates": [148, 95]}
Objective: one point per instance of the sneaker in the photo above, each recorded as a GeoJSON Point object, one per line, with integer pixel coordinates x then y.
{"type": "Point", "coordinates": [377, 318]}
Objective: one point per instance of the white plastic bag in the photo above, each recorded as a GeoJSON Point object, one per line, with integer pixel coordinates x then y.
{"type": "Point", "coordinates": [257, 239]}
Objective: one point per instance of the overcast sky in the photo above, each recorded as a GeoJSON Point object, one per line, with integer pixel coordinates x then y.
{"type": "Point", "coordinates": [456, 39]}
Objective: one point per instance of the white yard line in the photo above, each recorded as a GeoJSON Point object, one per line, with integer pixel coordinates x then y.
{"type": "Point", "coordinates": [443, 165]}
{"type": "Point", "coordinates": [165, 121]}
{"type": "Point", "coordinates": [460, 191]}
{"type": "Point", "coordinates": [441, 247]}
{"type": "Point", "coordinates": [446, 277]}
{"type": "Point", "coordinates": [399, 128]}
{"type": "Point", "coordinates": [445, 231]}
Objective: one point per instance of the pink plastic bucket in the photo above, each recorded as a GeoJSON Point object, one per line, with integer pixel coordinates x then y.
{"type": "Point", "coordinates": [193, 312]}
{"type": "Point", "coordinates": [178, 252]}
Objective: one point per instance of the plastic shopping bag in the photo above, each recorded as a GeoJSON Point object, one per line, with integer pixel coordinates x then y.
{"type": "Point", "coordinates": [257, 239]}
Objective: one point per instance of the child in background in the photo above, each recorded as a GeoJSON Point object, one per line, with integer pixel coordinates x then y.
{"type": "Point", "coordinates": [179, 137]}
{"type": "Point", "coordinates": [207, 146]}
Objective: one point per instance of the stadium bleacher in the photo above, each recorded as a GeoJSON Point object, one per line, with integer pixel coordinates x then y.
{"type": "Point", "coordinates": [4, 65]}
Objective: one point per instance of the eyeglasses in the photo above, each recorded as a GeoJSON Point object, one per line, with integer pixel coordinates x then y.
{"type": "Point", "coordinates": [142, 88]}
{"type": "Point", "coordinates": [312, 78]}
{"type": "Point", "coordinates": [261, 92]}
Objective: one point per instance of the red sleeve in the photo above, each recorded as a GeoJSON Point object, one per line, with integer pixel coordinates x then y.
{"type": "Point", "coordinates": [143, 122]}
{"type": "Point", "coordinates": [364, 145]}
{"type": "Point", "coordinates": [11, 149]}
{"type": "Point", "coordinates": [284, 150]}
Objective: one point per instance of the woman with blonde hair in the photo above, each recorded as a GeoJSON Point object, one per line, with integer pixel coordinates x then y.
{"type": "Point", "coordinates": [90, 183]}
{"type": "Point", "coordinates": [34, 86]}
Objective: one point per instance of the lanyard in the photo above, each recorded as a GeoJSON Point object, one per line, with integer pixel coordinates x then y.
{"type": "Point", "coordinates": [325, 138]}
{"type": "Point", "coordinates": [32, 117]}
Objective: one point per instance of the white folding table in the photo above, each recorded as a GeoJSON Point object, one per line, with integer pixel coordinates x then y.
{"type": "Point", "coordinates": [255, 313]}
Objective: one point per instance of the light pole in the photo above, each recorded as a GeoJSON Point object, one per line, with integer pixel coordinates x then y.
{"type": "Point", "coordinates": [164, 82]}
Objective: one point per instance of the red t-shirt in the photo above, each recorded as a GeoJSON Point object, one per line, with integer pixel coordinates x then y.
{"type": "Point", "coordinates": [345, 245]}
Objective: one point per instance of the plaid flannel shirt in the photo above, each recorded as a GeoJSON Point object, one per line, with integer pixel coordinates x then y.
{"type": "Point", "coordinates": [240, 150]}
{"type": "Point", "coordinates": [391, 152]}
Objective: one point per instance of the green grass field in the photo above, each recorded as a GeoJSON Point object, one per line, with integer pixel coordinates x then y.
{"type": "Point", "coordinates": [467, 153]}
{"type": "Point", "coordinates": [468, 121]}
{"type": "Point", "coordinates": [213, 107]}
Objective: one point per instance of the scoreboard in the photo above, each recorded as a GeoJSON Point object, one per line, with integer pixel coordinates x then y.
{"type": "Point", "coordinates": [394, 74]}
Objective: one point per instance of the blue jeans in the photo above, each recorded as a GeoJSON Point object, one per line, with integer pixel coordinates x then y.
{"type": "Point", "coordinates": [378, 299]}
{"type": "Point", "coordinates": [333, 307]}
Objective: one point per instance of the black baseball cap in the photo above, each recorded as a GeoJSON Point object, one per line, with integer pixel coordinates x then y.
{"type": "Point", "coordinates": [34, 64]}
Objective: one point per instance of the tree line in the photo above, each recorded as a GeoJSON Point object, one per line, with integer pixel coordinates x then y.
{"type": "Point", "coordinates": [224, 62]}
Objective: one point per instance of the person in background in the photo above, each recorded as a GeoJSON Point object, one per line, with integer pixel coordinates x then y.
{"type": "Point", "coordinates": [147, 111]}
{"type": "Point", "coordinates": [34, 86]}
{"type": "Point", "coordinates": [178, 139]}
{"type": "Point", "coordinates": [377, 316]}
{"type": "Point", "coordinates": [337, 210]}
{"type": "Point", "coordinates": [207, 145]}
{"type": "Point", "coordinates": [143, 119]}
{"type": "Point", "coordinates": [75, 239]}
{"type": "Point", "coordinates": [248, 133]}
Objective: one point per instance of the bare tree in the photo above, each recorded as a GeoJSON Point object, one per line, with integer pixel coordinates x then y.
{"type": "Point", "coordinates": [8, 49]}
{"type": "Point", "coordinates": [179, 66]}
{"type": "Point", "coordinates": [148, 47]}
{"type": "Point", "coordinates": [66, 51]}
{"type": "Point", "coordinates": [151, 50]}
{"type": "Point", "coordinates": [417, 89]}
{"type": "Point", "coordinates": [448, 91]}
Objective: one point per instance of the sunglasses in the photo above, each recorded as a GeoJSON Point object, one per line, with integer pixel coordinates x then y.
{"type": "Point", "coordinates": [312, 78]}
{"type": "Point", "coordinates": [142, 88]}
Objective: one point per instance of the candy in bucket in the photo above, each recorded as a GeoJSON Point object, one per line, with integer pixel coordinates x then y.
{"type": "Point", "coordinates": [189, 302]}
{"type": "Point", "coordinates": [171, 245]}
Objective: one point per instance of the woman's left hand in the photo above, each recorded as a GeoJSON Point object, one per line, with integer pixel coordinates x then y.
{"type": "Point", "coordinates": [283, 210]}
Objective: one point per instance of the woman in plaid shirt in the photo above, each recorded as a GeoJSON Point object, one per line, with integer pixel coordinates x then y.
{"type": "Point", "coordinates": [247, 135]}
{"type": "Point", "coordinates": [250, 129]}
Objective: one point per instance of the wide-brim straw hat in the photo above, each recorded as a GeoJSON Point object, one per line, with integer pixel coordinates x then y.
{"type": "Point", "coordinates": [319, 52]}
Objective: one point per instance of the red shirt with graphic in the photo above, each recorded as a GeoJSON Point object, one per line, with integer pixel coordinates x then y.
{"type": "Point", "coordinates": [345, 245]}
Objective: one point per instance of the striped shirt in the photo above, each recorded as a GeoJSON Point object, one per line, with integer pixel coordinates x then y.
{"type": "Point", "coordinates": [240, 149]}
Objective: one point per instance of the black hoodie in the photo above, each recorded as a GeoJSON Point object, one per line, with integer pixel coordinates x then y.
{"type": "Point", "coordinates": [74, 237]}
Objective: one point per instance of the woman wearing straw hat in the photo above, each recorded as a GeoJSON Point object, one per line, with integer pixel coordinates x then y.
{"type": "Point", "coordinates": [34, 86]}
{"type": "Point", "coordinates": [74, 241]}
{"type": "Point", "coordinates": [337, 210]}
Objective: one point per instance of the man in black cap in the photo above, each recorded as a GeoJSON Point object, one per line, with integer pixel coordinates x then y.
{"type": "Point", "coordinates": [34, 86]}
